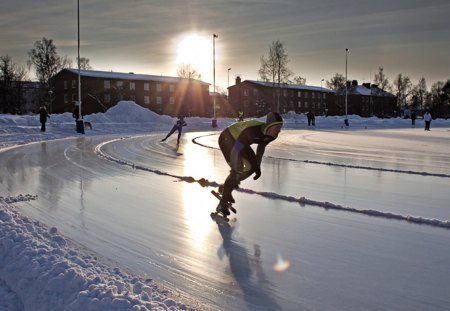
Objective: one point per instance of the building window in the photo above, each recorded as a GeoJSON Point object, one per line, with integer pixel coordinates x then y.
{"type": "Point", "coordinates": [74, 97]}
{"type": "Point", "coordinates": [66, 98]}
{"type": "Point", "coordinates": [306, 94]}
{"type": "Point", "coordinates": [324, 95]}
{"type": "Point", "coordinates": [284, 93]}
{"type": "Point", "coordinates": [66, 86]}
{"type": "Point", "coordinates": [313, 105]}
{"type": "Point", "coordinates": [306, 104]}
{"type": "Point", "coordinates": [299, 94]}
{"type": "Point", "coordinates": [172, 100]}
{"type": "Point", "coordinates": [299, 104]}
{"type": "Point", "coordinates": [255, 92]}
{"type": "Point", "coordinates": [132, 97]}
{"type": "Point", "coordinates": [107, 84]}
{"type": "Point", "coordinates": [313, 95]}
{"type": "Point", "coordinates": [171, 88]}
{"type": "Point", "coordinates": [119, 84]}
{"type": "Point", "coordinates": [74, 84]}
{"type": "Point", "coordinates": [146, 86]}
{"type": "Point", "coordinates": [107, 98]}
{"type": "Point", "coordinates": [147, 99]}
{"type": "Point", "coordinates": [159, 99]}
{"type": "Point", "coordinates": [132, 86]}
{"type": "Point", "coordinates": [245, 92]}
{"type": "Point", "coordinates": [158, 87]}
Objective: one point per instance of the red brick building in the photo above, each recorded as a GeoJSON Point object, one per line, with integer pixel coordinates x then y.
{"type": "Point", "coordinates": [365, 100]}
{"type": "Point", "coordinates": [101, 90]}
{"type": "Point", "coordinates": [257, 98]}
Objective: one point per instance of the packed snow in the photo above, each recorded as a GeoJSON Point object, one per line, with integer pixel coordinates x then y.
{"type": "Point", "coordinates": [40, 269]}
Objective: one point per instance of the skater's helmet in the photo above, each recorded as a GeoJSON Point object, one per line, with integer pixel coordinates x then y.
{"type": "Point", "coordinates": [272, 119]}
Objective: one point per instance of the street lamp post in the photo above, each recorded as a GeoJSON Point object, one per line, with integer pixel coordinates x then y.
{"type": "Point", "coordinates": [346, 116]}
{"type": "Point", "coordinates": [229, 77]}
{"type": "Point", "coordinates": [79, 122]}
{"type": "Point", "coordinates": [214, 121]}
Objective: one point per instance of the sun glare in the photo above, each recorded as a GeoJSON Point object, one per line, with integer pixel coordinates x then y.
{"type": "Point", "coordinates": [195, 50]}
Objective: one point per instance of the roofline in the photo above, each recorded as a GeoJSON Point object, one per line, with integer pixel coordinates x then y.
{"type": "Point", "coordinates": [129, 76]}
{"type": "Point", "coordinates": [291, 86]}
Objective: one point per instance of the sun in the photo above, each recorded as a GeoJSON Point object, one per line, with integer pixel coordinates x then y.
{"type": "Point", "coordinates": [195, 50]}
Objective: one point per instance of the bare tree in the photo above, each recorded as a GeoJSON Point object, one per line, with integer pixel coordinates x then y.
{"type": "Point", "coordinates": [421, 91]}
{"type": "Point", "coordinates": [336, 82]}
{"type": "Point", "coordinates": [85, 63]}
{"type": "Point", "coordinates": [11, 91]}
{"type": "Point", "coordinates": [186, 71]}
{"type": "Point", "coordinates": [403, 88]}
{"type": "Point", "coordinates": [299, 80]}
{"type": "Point", "coordinates": [46, 60]}
{"type": "Point", "coordinates": [381, 80]}
{"type": "Point", "coordinates": [274, 68]}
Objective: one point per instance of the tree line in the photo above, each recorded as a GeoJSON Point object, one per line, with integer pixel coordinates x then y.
{"type": "Point", "coordinates": [45, 61]}
{"type": "Point", "coordinates": [274, 68]}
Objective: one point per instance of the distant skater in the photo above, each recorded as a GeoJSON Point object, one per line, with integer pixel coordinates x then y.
{"type": "Point", "coordinates": [177, 126]}
{"type": "Point", "coordinates": [43, 116]}
{"type": "Point", "coordinates": [413, 119]}
{"type": "Point", "coordinates": [427, 118]}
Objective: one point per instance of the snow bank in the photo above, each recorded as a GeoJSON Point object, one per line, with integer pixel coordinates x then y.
{"type": "Point", "coordinates": [41, 270]}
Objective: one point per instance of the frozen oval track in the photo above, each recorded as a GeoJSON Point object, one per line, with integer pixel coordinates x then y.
{"type": "Point", "coordinates": [138, 204]}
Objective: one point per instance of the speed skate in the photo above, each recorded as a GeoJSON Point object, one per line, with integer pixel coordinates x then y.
{"type": "Point", "coordinates": [218, 212]}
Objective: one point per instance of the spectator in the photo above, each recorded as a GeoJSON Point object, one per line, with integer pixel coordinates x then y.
{"type": "Point", "coordinates": [427, 118]}
{"type": "Point", "coordinates": [43, 115]}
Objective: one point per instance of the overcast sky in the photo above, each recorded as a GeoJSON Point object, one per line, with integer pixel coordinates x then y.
{"type": "Point", "coordinates": [411, 37]}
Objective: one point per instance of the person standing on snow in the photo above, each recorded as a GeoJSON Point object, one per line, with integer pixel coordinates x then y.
{"type": "Point", "coordinates": [177, 126]}
{"type": "Point", "coordinates": [427, 118]}
{"type": "Point", "coordinates": [43, 115]}
{"type": "Point", "coordinates": [235, 143]}
{"type": "Point", "coordinates": [413, 119]}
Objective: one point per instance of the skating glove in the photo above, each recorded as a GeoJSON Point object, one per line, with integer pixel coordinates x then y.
{"type": "Point", "coordinates": [257, 174]}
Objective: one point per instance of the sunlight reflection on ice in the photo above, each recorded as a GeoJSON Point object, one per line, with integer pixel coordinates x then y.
{"type": "Point", "coordinates": [281, 265]}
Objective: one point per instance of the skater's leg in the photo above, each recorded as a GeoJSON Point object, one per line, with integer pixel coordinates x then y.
{"type": "Point", "coordinates": [179, 135]}
{"type": "Point", "coordinates": [170, 133]}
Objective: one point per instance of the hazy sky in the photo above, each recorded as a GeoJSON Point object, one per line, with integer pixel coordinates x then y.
{"type": "Point", "coordinates": [411, 37]}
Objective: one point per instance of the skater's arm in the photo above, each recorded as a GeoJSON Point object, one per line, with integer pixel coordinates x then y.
{"type": "Point", "coordinates": [260, 153]}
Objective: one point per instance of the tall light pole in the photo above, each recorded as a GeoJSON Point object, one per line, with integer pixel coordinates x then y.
{"type": "Point", "coordinates": [346, 79]}
{"type": "Point", "coordinates": [80, 123]}
{"type": "Point", "coordinates": [229, 77]}
{"type": "Point", "coordinates": [214, 121]}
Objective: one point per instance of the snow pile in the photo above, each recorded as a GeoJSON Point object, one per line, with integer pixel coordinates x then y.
{"type": "Point", "coordinates": [44, 271]}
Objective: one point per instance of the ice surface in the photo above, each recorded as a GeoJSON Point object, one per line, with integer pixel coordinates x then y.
{"type": "Point", "coordinates": [341, 219]}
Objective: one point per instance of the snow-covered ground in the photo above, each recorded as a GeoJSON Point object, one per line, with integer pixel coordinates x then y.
{"type": "Point", "coordinates": [43, 269]}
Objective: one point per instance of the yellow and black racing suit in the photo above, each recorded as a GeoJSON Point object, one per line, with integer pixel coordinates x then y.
{"type": "Point", "coordinates": [235, 143]}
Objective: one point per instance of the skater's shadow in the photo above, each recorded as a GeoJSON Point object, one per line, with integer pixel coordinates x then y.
{"type": "Point", "coordinates": [247, 270]}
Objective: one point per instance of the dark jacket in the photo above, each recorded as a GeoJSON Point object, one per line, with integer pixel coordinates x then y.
{"type": "Point", "coordinates": [43, 115]}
